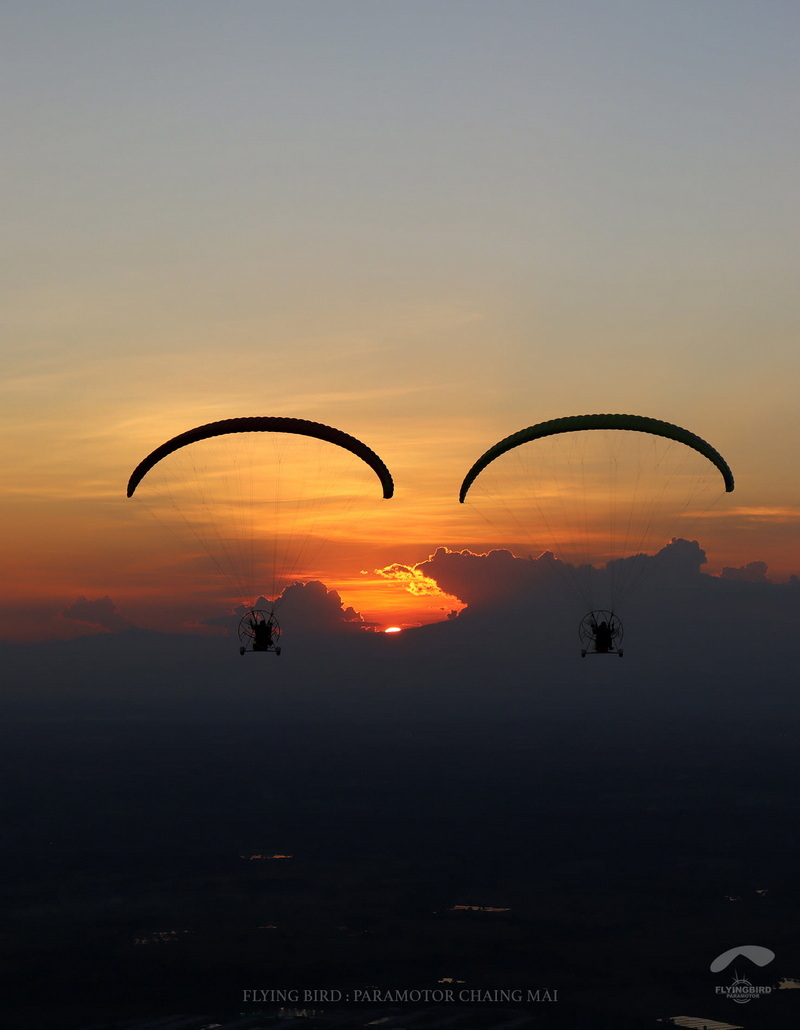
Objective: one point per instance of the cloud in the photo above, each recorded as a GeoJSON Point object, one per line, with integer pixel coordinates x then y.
{"type": "Point", "coordinates": [495, 578]}
{"type": "Point", "coordinates": [773, 513]}
{"type": "Point", "coordinates": [308, 606]}
{"type": "Point", "coordinates": [499, 581]}
{"type": "Point", "coordinates": [312, 606]}
{"type": "Point", "coordinates": [678, 560]}
{"type": "Point", "coordinates": [413, 579]}
{"type": "Point", "coordinates": [694, 642]}
{"type": "Point", "coordinates": [753, 572]}
{"type": "Point", "coordinates": [100, 612]}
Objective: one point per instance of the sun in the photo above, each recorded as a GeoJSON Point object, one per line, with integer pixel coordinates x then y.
{"type": "Point", "coordinates": [393, 629]}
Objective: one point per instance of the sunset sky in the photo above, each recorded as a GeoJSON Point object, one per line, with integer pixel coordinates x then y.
{"type": "Point", "coordinates": [427, 224]}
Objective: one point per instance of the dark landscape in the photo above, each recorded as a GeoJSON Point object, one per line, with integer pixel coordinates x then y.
{"type": "Point", "coordinates": [153, 868]}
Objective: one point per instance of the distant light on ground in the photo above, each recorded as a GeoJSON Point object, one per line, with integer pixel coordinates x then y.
{"type": "Point", "coordinates": [392, 629]}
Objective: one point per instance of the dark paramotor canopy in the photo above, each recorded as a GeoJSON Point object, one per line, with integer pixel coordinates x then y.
{"type": "Point", "coordinates": [268, 424]}
{"type": "Point", "coordinates": [578, 423]}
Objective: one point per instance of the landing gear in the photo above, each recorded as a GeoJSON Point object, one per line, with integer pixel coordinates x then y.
{"type": "Point", "coordinates": [259, 631]}
{"type": "Point", "coordinates": [600, 632]}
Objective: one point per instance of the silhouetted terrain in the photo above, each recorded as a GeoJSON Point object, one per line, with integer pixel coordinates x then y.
{"type": "Point", "coordinates": [549, 853]}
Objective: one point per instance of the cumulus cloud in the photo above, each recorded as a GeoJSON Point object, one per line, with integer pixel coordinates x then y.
{"type": "Point", "coordinates": [536, 597]}
{"type": "Point", "coordinates": [680, 560]}
{"type": "Point", "coordinates": [310, 606]}
{"type": "Point", "coordinates": [314, 607]}
{"type": "Point", "coordinates": [496, 577]}
{"type": "Point", "coordinates": [101, 611]}
{"type": "Point", "coordinates": [753, 572]}
{"type": "Point", "coordinates": [502, 580]}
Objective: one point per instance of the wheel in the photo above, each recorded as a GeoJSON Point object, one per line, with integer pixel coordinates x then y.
{"type": "Point", "coordinates": [583, 654]}
{"type": "Point", "coordinates": [241, 650]}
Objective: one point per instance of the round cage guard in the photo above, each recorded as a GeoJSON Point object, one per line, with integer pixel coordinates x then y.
{"type": "Point", "coordinates": [259, 630]}
{"type": "Point", "coordinates": [600, 632]}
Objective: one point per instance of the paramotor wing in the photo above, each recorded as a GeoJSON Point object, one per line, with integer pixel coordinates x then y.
{"type": "Point", "coordinates": [265, 424]}
{"type": "Point", "coordinates": [580, 423]}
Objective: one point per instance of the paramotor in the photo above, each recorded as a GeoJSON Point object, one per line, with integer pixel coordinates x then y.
{"type": "Point", "coordinates": [257, 503]}
{"type": "Point", "coordinates": [598, 492]}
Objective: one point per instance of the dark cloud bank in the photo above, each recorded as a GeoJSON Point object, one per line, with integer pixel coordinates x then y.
{"type": "Point", "coordinates": [692, 641]}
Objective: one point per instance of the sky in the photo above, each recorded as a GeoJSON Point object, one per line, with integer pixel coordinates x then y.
{"type": "Point", "coordinates": [429, 225]}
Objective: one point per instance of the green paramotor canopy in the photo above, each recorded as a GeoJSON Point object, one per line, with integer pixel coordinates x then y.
{"type": "Point", "coordinates": [579, 423]}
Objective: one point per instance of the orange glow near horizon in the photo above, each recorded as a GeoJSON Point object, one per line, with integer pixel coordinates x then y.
{"type": "Point", "coordinates": [93, 542]}
{"type": "Point", "coordinates": [117, 553]}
